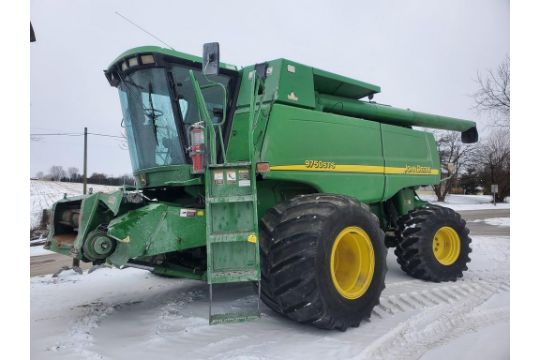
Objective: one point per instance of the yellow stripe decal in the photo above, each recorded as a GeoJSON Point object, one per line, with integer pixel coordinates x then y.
{"type": "Point", "coordinates": [370, 169]}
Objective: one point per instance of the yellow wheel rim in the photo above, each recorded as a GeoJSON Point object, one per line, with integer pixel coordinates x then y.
{"type": "Point", "coordinates": [352, 262]}
{"type": "Point", "coordinates": [446, 245]}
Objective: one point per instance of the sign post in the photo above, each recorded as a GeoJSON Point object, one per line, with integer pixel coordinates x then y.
{"type": "Point", "coordinates": [494, 191]}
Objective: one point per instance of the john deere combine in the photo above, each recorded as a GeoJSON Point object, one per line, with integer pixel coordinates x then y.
{"type": "Point", "coordinates": [275, 174]}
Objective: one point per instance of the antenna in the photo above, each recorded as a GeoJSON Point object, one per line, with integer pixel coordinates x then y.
{"type": "Point", "coordinates": [140, 28]}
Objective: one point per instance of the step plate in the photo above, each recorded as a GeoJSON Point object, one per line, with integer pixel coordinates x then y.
{"type": "Point", "coordinates": [248, 236]}
{"type": "Point", "coordinates": [222, 277]}
{"type": "Point", "coordinates": [230, 199]}
{"type": "Point", "coordinates": [234, 317]}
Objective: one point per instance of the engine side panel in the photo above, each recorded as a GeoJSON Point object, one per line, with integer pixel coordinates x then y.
{"type": "Point", "coordinates": [339, 154]}
{"type": "Point", "coordinates": [411, 159]}
{"type": "Point", "coordinates": [332, 153]}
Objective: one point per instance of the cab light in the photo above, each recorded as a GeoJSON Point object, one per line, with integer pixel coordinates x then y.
{"type": "Point", "coordinates": [147, 59]}
{"type": "Point", "coordinates": [133, 62]}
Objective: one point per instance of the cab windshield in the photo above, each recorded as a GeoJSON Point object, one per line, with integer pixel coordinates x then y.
{"type": "Point", "coordinates": [158, 108]}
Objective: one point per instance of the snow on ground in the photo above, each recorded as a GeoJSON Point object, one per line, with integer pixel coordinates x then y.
{"type": "Point", "coordinates": [492, 343]}
{"type": "Point", "coordinates": [39, 250]}
{"type": "Point", "coordinates": [501, 221]}
{"type": "Point", "coordinates": [43, 194]}
{"type": "Point", "coordinates": [132, 314]}
{"type": "Point", "coordinates": [467, 202]}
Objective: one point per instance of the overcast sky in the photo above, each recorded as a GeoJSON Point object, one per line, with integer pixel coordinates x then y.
{"type": "Point", "coordinates": [423, 54]}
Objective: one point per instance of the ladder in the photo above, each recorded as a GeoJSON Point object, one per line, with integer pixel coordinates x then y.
{"type": "Point", "coordinates": [232, 243]}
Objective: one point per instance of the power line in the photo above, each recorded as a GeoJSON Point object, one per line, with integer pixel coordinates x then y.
{"type": "Point", "coordinates": [106, 135]}
{"type": "Point", "coordinates": [77, 134]}
{"type": "Point", "coordinates": [58, 134]}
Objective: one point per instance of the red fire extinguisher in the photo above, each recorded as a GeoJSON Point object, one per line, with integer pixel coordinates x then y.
{"type": "Point", "coordinates": [197, 149]}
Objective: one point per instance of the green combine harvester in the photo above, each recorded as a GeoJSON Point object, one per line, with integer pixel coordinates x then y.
{"type": "Point", "coordinates": [275, 174]}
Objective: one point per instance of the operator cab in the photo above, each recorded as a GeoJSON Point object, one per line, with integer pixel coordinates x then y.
{"type": "Point", "coordinates": [159, 103]}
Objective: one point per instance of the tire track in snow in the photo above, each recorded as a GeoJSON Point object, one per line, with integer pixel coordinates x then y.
{"type": "Point", "coordinates": [426, 295]}
{"type": "Point", "coordinates": [80, 338]}
{"type": "Point", "coordinates": [431, 328]}
{"type": "Point", "coordinates": [444, 311]}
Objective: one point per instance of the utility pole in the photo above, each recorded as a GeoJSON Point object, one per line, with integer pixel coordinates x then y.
{"type": "Point", "coordinates": [85, 178]}
{"type": "Point", "coordinates": [76, 263]}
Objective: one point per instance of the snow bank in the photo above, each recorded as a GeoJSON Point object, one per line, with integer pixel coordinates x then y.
{"type": "Point", "coordinates": [466, 202]}
{"type": "Point", "coordinates": [461, 199]}
{"type": "Point", "coordinates": [502, 221]}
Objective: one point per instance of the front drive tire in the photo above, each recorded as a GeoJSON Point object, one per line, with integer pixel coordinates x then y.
{"type": "Point", "coordinates": [323, 260]}
{"type": "Point", "coordinates": [434, 244]}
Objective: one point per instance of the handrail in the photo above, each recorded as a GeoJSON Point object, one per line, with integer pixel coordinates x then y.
{"type": "Point", "coordinates": [254, 114]}
{"type": "Point", "coordinates": [254, 88]}
{"type": "Point", "coordinates": [203, 112]}
{"type": "Point", "coordinates": [201, 105]}
{"type": "Point", "coordinates": [219, 125]}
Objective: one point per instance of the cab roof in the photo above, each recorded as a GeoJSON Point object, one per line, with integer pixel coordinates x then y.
{"type": "Point", "coordinates": [163, 51]}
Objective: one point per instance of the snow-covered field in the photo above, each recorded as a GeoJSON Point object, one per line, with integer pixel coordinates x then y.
{"type": "Point", "coordinates": [43, 194]}
{"type": "Point", "coordinates": [132, 314]}
{"type": "Point", "coordinates": [467, 202]}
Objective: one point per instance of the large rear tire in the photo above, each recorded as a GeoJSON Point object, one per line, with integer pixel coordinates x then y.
{"type": "Point", "coordinates": [434, 244]}
{"type": "Point", "coordinates": [323, 260]}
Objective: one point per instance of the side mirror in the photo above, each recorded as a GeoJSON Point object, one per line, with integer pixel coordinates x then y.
{"type": "Point", "coordinates": [210, 64]}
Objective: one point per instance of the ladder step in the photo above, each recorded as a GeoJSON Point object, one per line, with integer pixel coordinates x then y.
{"type": "Point", "coordinates": [230, 236]}
{"type": "Point", "coordinates": [230, 199]}
{"type": "Point", "coordinates": [250, 314]}
{"type": "Point", "coordinates": [234, 317]}
{"type": "Point", "coordinates": [221, 277]}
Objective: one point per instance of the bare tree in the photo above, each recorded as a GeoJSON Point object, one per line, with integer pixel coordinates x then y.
{"type": "Point", "coordinates": [98, 178]}
{"type": "Point", "coordinates": [493, 95]}
{"type": "Point", "coordinates": [494, 157]}
{"type": "Point", "coordinates": [127, 180]}
{"type": "Point", "coordinates": [57, 172]}
{"type": "Point", "coordinates": [39, 175]}
{"type": "Point", "coordinates": [455, 157]}
{"type": "Point", "coordinates": [73, 173]}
